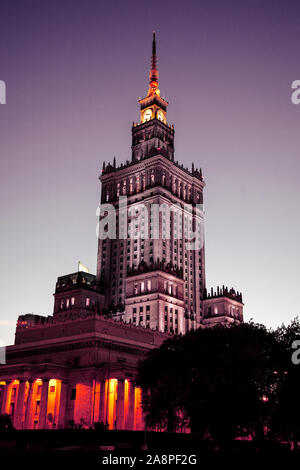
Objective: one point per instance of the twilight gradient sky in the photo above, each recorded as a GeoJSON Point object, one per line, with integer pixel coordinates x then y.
{"type": "Point", "coordinates": [74, 70]}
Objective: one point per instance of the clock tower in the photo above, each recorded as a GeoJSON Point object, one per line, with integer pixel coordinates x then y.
{"type": "Point", "coordinates": [153, 278]}
{"type": "Point", "coordinates": [153, 131]}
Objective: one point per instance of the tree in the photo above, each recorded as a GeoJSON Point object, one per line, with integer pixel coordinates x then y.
{"type": "Point", "coordinates": [217, 380]}
{"type": "Point", "coordinates": [286, 419]}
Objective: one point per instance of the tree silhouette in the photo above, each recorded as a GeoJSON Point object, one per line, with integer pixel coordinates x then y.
{"type": "Point", "coordinates": [217, 381]}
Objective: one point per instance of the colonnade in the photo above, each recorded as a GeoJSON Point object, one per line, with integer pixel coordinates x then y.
{"type": "Point", "coordinates": [46, 403]}
{"type": "Point", "coordinates": [32, 403]}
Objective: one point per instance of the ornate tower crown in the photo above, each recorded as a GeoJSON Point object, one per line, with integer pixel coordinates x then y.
{"type": "Point", "coordinates": [153, 106]}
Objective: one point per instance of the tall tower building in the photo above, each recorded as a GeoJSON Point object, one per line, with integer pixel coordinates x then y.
{"type": "Point", "coordinates": [149, 275]}
{"type": "Point", "coordinates": [152, 276]}
{"type": "Point", "coordinates": [150, 279]}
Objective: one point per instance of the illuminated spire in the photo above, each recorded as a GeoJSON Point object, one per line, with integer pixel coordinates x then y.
{"type": "Point", "coordinates": [153, 76]}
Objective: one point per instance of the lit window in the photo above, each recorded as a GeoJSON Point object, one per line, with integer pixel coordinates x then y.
{"type": "Point", "coordinates": [87, 302]}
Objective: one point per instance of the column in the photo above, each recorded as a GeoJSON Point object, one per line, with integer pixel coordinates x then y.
{"type": "Point", "coordinates": [44, 404]}
{"type": "Point", "coordinates": [120, 416]}
{"type": "Point", "coordinates": [5, 398]}
{"type": "Point", "coordinates": [130, 424]}
{"type": "Point", "coordinates": [19, 410]}
{"type": "Point", "coordinates": [139, 422]}
{"type": "Point", "coordinates": [2, 386]}
{"type": "Point", "coordinates": [28, 411]}
{"type": "Point", "coordinates": [63, 404]}
{"type": "Point", "coordinates": [96, 402]}
{"type": "Point", "coordinates": [103, 399]}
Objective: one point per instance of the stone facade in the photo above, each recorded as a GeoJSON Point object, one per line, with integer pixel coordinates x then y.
{"type": "Point", "coordinates": [75, 371]}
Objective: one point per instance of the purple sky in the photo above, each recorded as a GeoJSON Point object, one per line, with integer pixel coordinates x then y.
{"type": "Point", "coordinates": [74, 71]}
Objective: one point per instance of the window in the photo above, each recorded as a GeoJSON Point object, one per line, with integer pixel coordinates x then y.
{"type": "Point", "coordinates": [37, 407]}
{"type": "Point", "coordinates": [73, 394]}
{"type": "Point", "coordinates": [87, 302]}
{"type": "Point", "coordinates": [134, 310]}
{"type": "Point", "coordinates": [12, 409]}
{"type": "Point", "coordinates": [72, 301]}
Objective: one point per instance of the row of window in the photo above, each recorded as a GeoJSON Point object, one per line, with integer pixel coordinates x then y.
{"type": "Point", "coordinates": [137, 183]}
{"type": "Point", "coordinates": [141, 309]}
{"type": "Point", "coordinates": [70, 302]}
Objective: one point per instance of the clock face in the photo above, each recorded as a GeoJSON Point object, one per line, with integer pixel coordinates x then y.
{"type": "Point", "coordinates": [147, 114]}
{"type": "Point", "coordinates": [160, 115]}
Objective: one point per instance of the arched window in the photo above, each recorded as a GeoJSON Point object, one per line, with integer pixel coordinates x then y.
{"type": "Point", "coordinates": [152, 177]}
